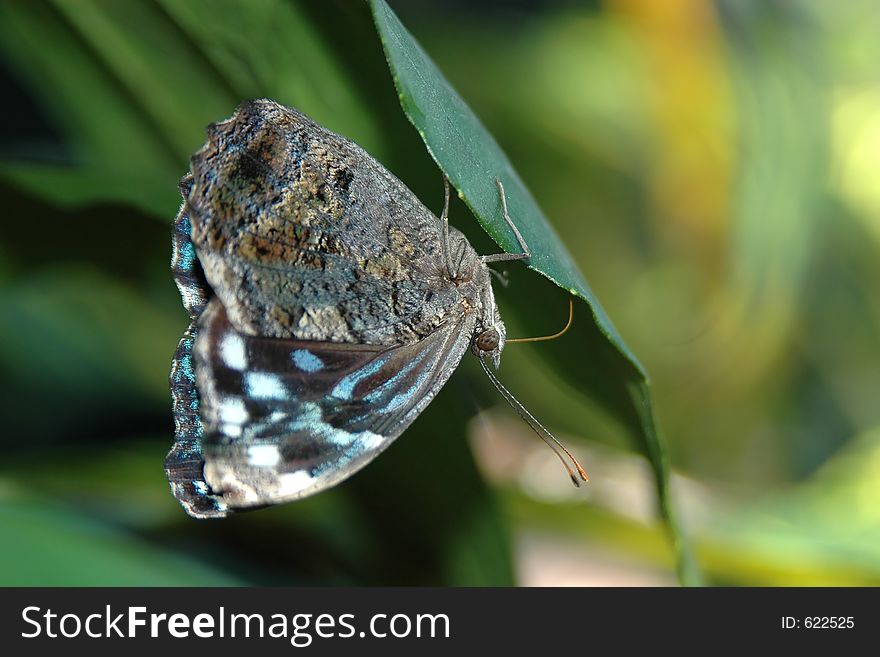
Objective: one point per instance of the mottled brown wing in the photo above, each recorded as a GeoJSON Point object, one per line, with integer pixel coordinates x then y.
{"type": "Point", "coordinates": [301, 234]}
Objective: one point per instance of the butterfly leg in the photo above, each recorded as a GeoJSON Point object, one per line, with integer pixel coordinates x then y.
{"type": "Point", "coordinates": [498, 257]}
{"type": "Point", "coordinates": [451, 270]}
{"type": "Point", "coordinates": [501, 277]}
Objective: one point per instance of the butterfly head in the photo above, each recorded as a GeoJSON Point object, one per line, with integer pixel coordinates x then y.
{"type": "Point", "coordinates": [488, 341]}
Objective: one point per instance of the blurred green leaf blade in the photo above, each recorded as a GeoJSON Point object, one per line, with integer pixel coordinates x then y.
{"type": "Point", "coordinates": [472, 160]}
{"type": "Point", "coordinates": [102, 124]}
{"type": "Point", "coordinates": [51, 545]}
{"type": "Point", "coordinates": [132, 85]}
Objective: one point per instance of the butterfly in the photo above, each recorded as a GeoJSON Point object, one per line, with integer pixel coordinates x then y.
{"type": "Point", "coordinates": [328, 307]}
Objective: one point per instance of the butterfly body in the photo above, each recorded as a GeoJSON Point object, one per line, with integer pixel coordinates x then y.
{"type": "Point", "coordinates": [328, 308]}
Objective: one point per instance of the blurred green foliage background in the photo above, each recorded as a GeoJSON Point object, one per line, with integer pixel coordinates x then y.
{"type": "Point", "coordinates": [711, 165]}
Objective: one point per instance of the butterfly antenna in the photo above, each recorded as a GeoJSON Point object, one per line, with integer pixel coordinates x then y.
{"type": "Point", "coordinates": [558, 334]}
{"type": "Point", "coordinates": [543, 433]}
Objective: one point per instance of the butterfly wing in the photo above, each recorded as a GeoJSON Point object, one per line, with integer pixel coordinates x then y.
{"type": "Point", "coordinates": [281, 419]}
{"type": "Point", "coordinates": [302, 234]}
{"type": "Point", "coordinates": [293, 243]}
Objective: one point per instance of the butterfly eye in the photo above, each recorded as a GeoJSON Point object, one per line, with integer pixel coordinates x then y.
{"type": "Point", "coordinates": [488, 340]}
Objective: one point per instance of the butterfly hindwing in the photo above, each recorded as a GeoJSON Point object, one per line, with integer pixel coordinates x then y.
{"type": "Point", "coordinates": [283, 419]}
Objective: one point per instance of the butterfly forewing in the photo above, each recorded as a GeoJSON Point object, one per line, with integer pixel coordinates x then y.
{"type": "Point", "coordinates": [303, 235]}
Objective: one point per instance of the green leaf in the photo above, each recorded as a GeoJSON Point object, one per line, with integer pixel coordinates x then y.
{"type": "Point", "coordinates": [132, 85]}
{"type": "Point", "coordinates": [104, 126]}
{"type": "Point", "coordinates": [292, 63]}
{"type": "Point", "coordinates": [472, 160]}
{"type": "Point", "coordinates": [52, 545]}
{"type": "Point", "coordinates": [93, 338]}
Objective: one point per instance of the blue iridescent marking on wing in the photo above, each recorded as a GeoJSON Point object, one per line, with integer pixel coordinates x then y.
{"type": "Point", "coordinates": [377, 393]}
{"type": "Point", "coordinates": [185, 365]}
{"type": "Point", "coordinates": [307, 361]}
{"type": "Point", "coordinates": [311, 420]}
{"type": "Point", "coordinates": [186, 256]}
{"type": "Point", "coordinates": [345, 388]}
{"type": "Point", "coordinates": [402, 399]}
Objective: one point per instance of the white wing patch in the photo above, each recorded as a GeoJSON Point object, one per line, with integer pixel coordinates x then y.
{"type": "Point", "coordinates": [232, 351]}
{"type": "Point", "coordinates": [264, 456]}
{"type": "Point", "coordinates": [261, 385]}
{"type": "Point", "coordinates": [291, 483]}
